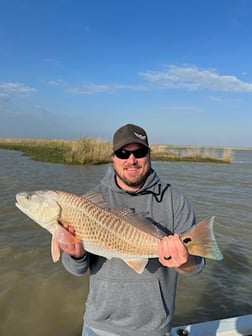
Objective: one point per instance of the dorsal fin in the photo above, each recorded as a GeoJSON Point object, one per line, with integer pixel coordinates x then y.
{"type": "Point", "coordinates": [96, 198]}
{"type": "Point", "coordinates": [139, 222]}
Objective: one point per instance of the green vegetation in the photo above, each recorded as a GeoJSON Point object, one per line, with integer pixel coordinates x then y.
{"type": "Point", "coordinates": [38, 149]}
{"type": "Point", "coordinates": [95, 151]}
{"type": "Point", "coordinates": [192, 154]}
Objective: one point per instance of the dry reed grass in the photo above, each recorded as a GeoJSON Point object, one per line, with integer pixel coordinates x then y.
{"type": "Point", "coordinates": [95, 151]}
{"type": "Point", "coordinates": [88, 151]}
{"type": "Point", "coordinates": [192, 153]}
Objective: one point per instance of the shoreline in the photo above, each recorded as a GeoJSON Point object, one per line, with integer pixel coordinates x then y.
{"type": "Point", "coordinates": [93, 151]}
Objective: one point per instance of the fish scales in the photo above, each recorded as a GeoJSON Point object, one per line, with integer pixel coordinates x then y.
{"type": "Point", "coordinates": [111, 233]}
{"type": "Point", "coordinates": [94, 224]}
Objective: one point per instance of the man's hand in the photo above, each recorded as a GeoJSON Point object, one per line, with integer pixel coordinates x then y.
{"type": "Point", "coordinates": [172, 252]}
{"type": "Point", "coordinates": [68, 243]}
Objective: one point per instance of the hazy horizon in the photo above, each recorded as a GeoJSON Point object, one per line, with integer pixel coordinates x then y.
{"type": "Point", "coordinates": [180, 69]}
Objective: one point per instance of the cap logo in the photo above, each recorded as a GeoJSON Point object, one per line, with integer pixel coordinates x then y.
{"type": "Point", "coordinates": [140, 136]}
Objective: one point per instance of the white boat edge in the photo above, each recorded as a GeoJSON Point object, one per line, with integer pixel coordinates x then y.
{"type": "Point", "coordinates": [234, 326]}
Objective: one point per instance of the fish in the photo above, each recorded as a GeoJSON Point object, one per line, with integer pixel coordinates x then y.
{"type": "Point", "coordinates": [108, 232]}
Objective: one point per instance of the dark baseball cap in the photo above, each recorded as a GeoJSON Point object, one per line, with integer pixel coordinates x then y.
{"type": "Point", "coordinates": [129, 134]}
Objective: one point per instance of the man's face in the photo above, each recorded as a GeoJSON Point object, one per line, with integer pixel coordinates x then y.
{"type": "Point", "coordinates": [132, 172]}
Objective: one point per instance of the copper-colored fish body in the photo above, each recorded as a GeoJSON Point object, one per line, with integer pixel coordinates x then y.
{"type": "Point", "coordinates": [111, 233]}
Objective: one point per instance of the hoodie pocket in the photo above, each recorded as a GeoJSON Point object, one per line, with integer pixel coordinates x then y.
{"type": "Point", "coordinates": [138, 304]}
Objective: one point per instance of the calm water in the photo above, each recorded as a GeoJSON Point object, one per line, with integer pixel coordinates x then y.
{"type": "Point", "coordinates": [38, 297]}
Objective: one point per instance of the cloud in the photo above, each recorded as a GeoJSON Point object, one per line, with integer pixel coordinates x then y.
{"type": "Point", "coordinates": [40, 122]}
{"type": "Point", "coordinates": [189, 78]}
{"type": "Point", "coordinates": [56, 82]}
{"type": "Point", "coordinates": [182, 110]}
{"type": "Point", "coordinates": [93, 88]}
{"type": "Point", "coordinates": [194, 78]}
{"type": "Point", "coordinates": [215, 98]}
{"type": "Point", "coordinates": [8, 88]}
{"type": "Point", "coordinates": [4, 97]}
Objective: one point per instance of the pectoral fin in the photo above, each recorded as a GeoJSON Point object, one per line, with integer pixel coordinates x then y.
{"type": "Point", "coordinates": [55, 250]}
{"type": "Point", "coordinates": [62, 236]}
{"type": "Point", "coordinates": [137, 265]}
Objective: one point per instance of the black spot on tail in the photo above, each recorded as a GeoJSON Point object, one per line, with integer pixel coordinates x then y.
{"type": "Point", "coordinates": [187, 240]}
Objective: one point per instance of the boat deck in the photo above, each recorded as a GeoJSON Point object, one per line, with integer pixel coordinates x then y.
{"type": "Point", "coordinates": [234, 326]}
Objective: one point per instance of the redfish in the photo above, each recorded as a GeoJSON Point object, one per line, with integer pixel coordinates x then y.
{"type": "Point", "coordinates": [111, 233]}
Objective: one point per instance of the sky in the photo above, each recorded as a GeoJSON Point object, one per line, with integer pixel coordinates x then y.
{"type": "Point", "coordinates": [181, 69]}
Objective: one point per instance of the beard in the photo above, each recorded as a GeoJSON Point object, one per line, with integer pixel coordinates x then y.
{"type": "Point", "coordinates": [137, 182]}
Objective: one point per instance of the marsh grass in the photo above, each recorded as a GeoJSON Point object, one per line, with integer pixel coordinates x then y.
{"type": "Point", "coordinates": [192, 153]}
{"type": "Point", "coordinates": [39, 149]}
{"type": "Point", "coordinates": [88, 151]}
{"type": "Point", "coordinates": [95, 151]}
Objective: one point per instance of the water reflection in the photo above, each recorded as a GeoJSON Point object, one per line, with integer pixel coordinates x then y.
{"type": "Point", "coordinates": [38, 297]}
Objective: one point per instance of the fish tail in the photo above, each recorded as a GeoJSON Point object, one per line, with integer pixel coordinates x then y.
{"type": "Point", "coordinates": [200, 240]}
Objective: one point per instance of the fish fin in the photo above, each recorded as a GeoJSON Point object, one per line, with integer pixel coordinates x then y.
{"type": "Point", "coordinates": [137, 265]}
{"type": "Point", "coordinates": [96, 198]}
{"type": "Point", "coordinates": [139, 222]}
{"type": "Point", "coordinates": [55, 250]}
{"type": "Point", "coordinates": [200, 240]}
{"type": "Point", "coordinates": [61, 235]}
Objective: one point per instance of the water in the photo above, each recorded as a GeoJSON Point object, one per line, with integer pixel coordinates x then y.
{"type": "Point", "coordinates": [38, 297]}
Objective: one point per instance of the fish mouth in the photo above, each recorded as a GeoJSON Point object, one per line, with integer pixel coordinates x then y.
{"type": "Point", "coordinates": [18, 202]}
{"type": "Point", "coordinates": [19, 206]}
{"type": "Point", "coordinates": [19, 198]}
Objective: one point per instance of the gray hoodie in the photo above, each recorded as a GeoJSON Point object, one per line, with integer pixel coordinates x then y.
{"type": "Point", "coordinates": [120, 300]}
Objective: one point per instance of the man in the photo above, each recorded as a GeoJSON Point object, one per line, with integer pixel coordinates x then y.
{"type": "Point", "coordinates": [122, 302]}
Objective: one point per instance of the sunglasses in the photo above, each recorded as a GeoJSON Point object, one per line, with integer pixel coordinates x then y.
{"type": "Point", "coordinates": [125, 154]}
